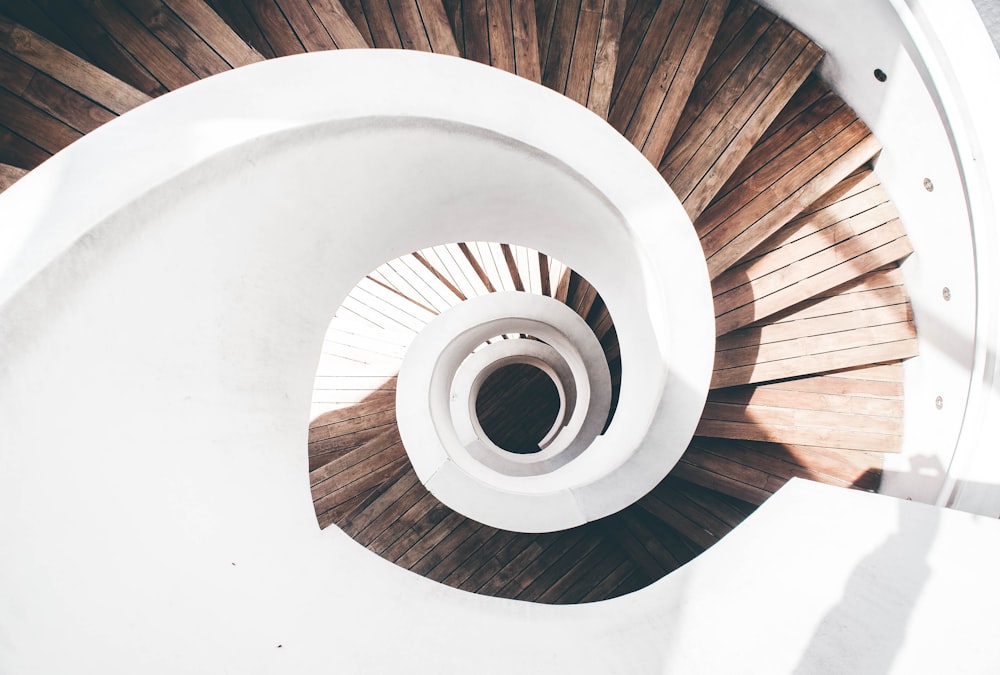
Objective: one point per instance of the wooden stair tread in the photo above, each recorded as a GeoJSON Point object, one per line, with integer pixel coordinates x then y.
{"type": "Point", "coordinates": [72, 27]}
{"type": "Point", "coordinates": [578, 48]}
{"type": "Point", "coordinates": [664, 45]}
{"type": "Point", "coordinates": [753, 471]}
{"type": "Point", "coordinates": [10, 175]}
{"type": "Point", "coordinates": [404, 24]}
{"type": "Point", "coordinates": [735, 100]}
{"type": "Point", "coordinates": [866, 321]}
{"type": "Point", "coordinates": [858, 233]}
{"type": "Point", "coordinates": [287, 27]}
{"type": "Point", "coordinates": [68, 69]}
{"type": "Point", "coordinates": [796, 162]}
{"type": "Point", "coordinates": [499, 33]}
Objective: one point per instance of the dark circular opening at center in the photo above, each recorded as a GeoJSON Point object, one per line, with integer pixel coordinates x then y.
{"type": "Point", "coordinates": [517, 406]}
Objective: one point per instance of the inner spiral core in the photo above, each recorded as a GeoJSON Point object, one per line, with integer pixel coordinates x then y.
{"type": "Point", "coordinates": [517, 406]}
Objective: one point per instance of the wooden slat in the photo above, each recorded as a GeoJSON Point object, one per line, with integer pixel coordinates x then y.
{"type": "Point", "coordinates": [753, 471]}
{"type": "Point", "coordinates": [792, 166]}
{"type": "Point", "coordinates": [499, 33]}
{"type": "Point", "coordinates": [18, 151]}
{"type": "Point", "coordinates": [145, 47]}
{"type": "Point", "coordinates": [579, 48]}
{"type": "Point", "coordinates": [94, 43]}
{"type": "Point", "coordinates": [29, 15]}
{"type": "Point", "coordinates": [237, 16]}
{"type": "Point", "coordinates": [855, 234]}
{"type": "Point", "coordinates": [194, 33]}
{"type": "Point", "coordinates": [405, 24]}
{"type": "Point", "coordinates": [663, 63]}
{"type": "Point", "coordinates": [732, 105]}
{"type": "Point", "coordinates": [34, 125]}
{"type": "Point", "coordinates": [10, 175]}
{"type": "Point", "coordinates": [68, 69]}
{"type": "Point", "coordinates": [50, 96]}
{"type": "Point", "coordinates": [864, 322]}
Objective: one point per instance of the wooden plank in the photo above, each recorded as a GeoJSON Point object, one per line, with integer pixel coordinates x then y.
{"type": "Point", "coordinates": [181, 39]}
{"type": "Point", "coordinates": [826, 248]}
{"type": "Point", "coordinates": [68, 69]}
{"type": "Point", "coordinates": [34, 125]}
{"type": "Point", "coordinates": [100, 48]}
{"type": "Point", "coordinates": [779, 179]}
{"type": "Point", "coordinates": [752, 471]}
{"type": "Point", "coordinates": [51, 96]}
{"type": "Point", "coordinates": [708, 151]}
{"type": "Point", "coordinates": [18, 151]}
{"type": "Point", "coordinates": [662, 75]}
{"type": "Point", "coordinates": [236, 15]}
{"type": "Point", "coordinates": [864, 322]}
{"type": "Point", "coordinates": [338, 24]}
{"type": "Point", "coordinates": [343, 467]}
{"type": "Point", "coordinates": [525, 37]}
{"type": "Point", "coordinates": [386, 503]}
{"type": "Point", "coordinates": [368, 473]}
{"type": "Point", "coordinates": [400, 534]}
{"type": "Point", "coordinates": [471, 28]}
{"type": "Point", "coordinates": [581, 50]}
{"type": "Point", "coordinates": [499, 33]}
{"type": "Point", "coordinates": [10, 175]}
{"type": "Point", "coordinates": [168, 69]}
{"type": "Point", "coordinates": [435, 24]}
{"type": "Point", "coordinates": [34, 18]}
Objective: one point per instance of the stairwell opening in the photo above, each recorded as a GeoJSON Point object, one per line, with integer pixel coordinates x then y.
{"type": "Point", "coordinates": [517, 406]}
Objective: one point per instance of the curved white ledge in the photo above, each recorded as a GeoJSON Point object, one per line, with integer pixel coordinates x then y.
{"type": "Point", "coordinates": [469, 476]}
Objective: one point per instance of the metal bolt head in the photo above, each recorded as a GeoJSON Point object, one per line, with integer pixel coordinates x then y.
{"type": "Point", "coordinates": [939, 403]}
{"type": "Point", "coordinates": [946, 293]}
{"type": "Point", "coordinates": [929, 185]}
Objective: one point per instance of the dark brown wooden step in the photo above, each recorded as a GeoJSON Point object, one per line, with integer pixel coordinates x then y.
{"type": "Point", "coordinates": [404, 24]}
{"type": "Point", "coordinates": [663, 48]}
{"type": "Point", "coordinates": [578, 48]}
{"type": "Point", "coordinates": [10, 175]}
{"type": "Point", "coordinates": [287, 27]}
{"type": "Point", "coordinates": [745, 84]}
{"type": "Point", "coordinates": [753, 471]}
{"type": "Point", "coordinates": [499, 33]}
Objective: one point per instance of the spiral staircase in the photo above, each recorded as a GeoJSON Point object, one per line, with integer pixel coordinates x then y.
{"type": "Point", "coordinates": [777, 173]}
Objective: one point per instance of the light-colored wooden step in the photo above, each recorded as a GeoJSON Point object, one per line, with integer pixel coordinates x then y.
{"type": "Point", "coordinates": [805, 412]}
{"type": "Point", "coordinates": [816, 143]}
{"type": "Point", "coordinates": [664, 45]}
{"type": "Point", "coordinates": [578, 48]}
{"type": "Point", "coordinates": [864, 322]}
{"type": "Point", "coordinates": [745, 84]}
{"type": "Point", "coordinates": [851, 231]}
